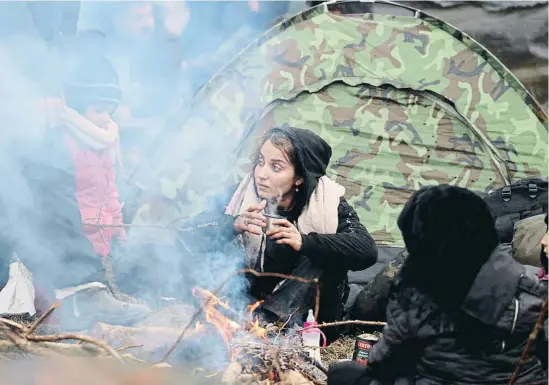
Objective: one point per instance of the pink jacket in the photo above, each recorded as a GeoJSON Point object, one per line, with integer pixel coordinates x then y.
{"type": "Point", "coordinates": [97, 195]}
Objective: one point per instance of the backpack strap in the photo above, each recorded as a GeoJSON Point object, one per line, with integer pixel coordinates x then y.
{"type": "Point", "coordinates": [506, 193]}
{"type": "Point", "coordinates": [532, 190]}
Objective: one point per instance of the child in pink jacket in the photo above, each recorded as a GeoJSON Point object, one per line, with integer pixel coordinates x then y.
{"type": "Point", "coordinates": [92, 96]}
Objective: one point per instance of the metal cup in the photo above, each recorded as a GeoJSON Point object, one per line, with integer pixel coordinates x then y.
{"type": "Point", "coordinates": [270, 219]}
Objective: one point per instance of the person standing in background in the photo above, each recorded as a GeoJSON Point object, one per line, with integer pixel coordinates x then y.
{"type": "Point", "coordinates": [91, 135]}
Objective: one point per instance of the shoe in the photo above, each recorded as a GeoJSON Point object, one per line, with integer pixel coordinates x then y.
{"type": "Point", "coordinates": [85, 305]}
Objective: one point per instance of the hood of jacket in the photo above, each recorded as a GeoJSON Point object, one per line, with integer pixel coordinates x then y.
{"type": "Point", "coordinates": [312, 155]}
{"type": "Point", "coordinates": [494, 287]}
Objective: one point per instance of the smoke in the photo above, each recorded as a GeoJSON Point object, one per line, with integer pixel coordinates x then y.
{"type": "Point", "coordinates": [161, 62]}
{"type": "Point", "coordinates": [272, 205]}
{"type": "Point", "coordinates": [24, 121]}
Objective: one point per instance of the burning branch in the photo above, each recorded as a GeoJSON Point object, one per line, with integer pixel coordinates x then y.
{"type": "Point", "coordinates": [283, 276]}
{"type": "Point", "coordinates": [199, 311]}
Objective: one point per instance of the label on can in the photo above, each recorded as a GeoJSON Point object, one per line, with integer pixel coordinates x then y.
{"type": "Point", "coordinates": [363, 345]}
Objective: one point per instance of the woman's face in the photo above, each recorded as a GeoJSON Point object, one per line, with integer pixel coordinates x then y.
{"type": "Point", "coordinates": [100, 115]}
{"type": "Point", "coordinates": [274, 175]}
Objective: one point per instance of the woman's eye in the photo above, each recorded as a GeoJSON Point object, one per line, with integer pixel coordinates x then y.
{"type": "Point", "coordinates": [276, 168]}
{"type": "Point", "coordinates": [260, 162]}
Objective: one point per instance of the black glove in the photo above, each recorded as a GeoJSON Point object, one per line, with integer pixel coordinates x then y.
{"type": "Point", "coordinates": [348, 373]}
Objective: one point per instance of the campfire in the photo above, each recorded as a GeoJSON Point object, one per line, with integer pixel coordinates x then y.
{"type": "Point", "coordinates": [256, 353]}
{"type": "Point", "coordinates": [246, 351]}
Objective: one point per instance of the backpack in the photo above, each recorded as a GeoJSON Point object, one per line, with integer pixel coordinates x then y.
{"type": "Point", "coordinates": [510, 204]}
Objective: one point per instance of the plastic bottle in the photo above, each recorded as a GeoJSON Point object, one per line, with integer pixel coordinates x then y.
{"type": "Point", "coordinates": [311, 337]}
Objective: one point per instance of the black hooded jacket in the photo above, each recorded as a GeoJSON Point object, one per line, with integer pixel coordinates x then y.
{"type": "Point", "coordinates": [422, 345]}
{"type": "Point", "coordinates": [351, 248]}
{"type": "Point", "coordinates": [461, 308]}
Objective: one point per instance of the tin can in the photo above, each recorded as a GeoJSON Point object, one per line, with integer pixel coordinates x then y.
{"type": "Point", "coordinates": [270, 219]}
{"type": "Point", "coordinates": [363, 345]}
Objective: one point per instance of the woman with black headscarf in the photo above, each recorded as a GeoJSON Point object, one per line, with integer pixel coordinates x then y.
{"type": "Point", "coordinates": [319, 235]}
{"type": "Point", "coordinates": [461, 308]}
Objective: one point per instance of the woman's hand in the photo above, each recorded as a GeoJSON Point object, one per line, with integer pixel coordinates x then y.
{"type": "Point", "coordinates": [251, 220]}
{"type": "Point", "coordinates": [286, 234]}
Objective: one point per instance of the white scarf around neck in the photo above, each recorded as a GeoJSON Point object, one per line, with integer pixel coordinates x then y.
{"type": "Point", "coordinates": [91, 135]}
{"type": "Point", "coordinates": [319, 216]}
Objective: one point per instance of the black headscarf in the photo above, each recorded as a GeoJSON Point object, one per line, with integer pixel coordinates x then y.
{"type": "Point", "coordinates": [449, 234]}
{"type": "Point", "coordinates": [93, 80]}
{"type": "Point", "coordinates": [312, 156]}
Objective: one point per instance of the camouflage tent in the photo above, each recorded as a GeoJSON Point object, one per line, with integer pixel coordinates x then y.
{"type": "Point", "coordinates": [500, 27]}
{"type": "Point", "coordinates": [403, 98]}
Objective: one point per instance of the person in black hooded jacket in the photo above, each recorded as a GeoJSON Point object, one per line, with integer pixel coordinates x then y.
{"type": "Point", "coordinates": [318, 236]}
{"type": "Point", "coordinates": [469, 326]}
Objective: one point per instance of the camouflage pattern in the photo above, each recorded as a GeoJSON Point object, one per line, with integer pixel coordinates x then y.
{"type": "Point", "coordinates": [403, 101]}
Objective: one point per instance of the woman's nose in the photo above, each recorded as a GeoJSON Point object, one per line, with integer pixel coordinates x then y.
{"type": "Point", "coordinates": [260, 173]}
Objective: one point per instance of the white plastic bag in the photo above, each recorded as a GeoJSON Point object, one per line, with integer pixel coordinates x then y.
{"type": "Point", "coordinates": [17, 297]}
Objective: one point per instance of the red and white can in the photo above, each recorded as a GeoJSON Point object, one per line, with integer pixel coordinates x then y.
{"type": "Point", "coordinates": [363, 345]}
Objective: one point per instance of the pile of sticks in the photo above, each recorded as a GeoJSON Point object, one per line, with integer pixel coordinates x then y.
{"type": "Point", "coordinates": [279, 360]}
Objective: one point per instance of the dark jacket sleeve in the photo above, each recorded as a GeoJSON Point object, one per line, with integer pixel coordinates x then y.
{"type": "Point", "coordinates": [391, 356]}
{"type": "Point", "coordinates": [206, 232]}
{"type": "Point", "coordinates": [210, 230]}
{"type": "Point", "coordinates": [351, 248]}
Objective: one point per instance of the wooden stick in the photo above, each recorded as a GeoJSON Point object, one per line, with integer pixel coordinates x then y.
{"type": "Point", "coordinates": [278, 275]}
{"type": "Point", "coordinates": [14, 324]}
{"type": "Point", "coordinates": [338, 323]}
{"type": "Point", "coordinates": [123, 348]}
{"type": "Point", "coordinates": [196, 314]}
{"type": "Point", "coordinates": [313, 361]}
{"type": "Point", "coordinates": [24, 345]}
{"type": "Point", "coordinates": [106, 226]}
{"type": "Point", "coordinates": [317, 300]}
{"type": "Point", "coordinates": [41, 319]}
{"type": "Point", "coordinates": [89, 340]}
{"type": "Point", "coordinates": [531, 339]}
{"type": "Point", "coordinates": [56, 347]}
{"type": "Point", "coordinates": [132, 358]}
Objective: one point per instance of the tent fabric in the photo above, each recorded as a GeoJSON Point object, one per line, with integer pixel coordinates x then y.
{"type": "Point", "coordinates": [500, 27]}
{"type": "Point", "coordinates": [403, 100]}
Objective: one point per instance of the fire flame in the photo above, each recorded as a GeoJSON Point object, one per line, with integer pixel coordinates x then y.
{"type": "Point", "coordinates": [227, 327]}
{"type": "Point", "coordinates": [258, 330]}
{"type": "Point", "coordinates": [251, 308]}
{"type": "Point", "coordinates": [224, 325]}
